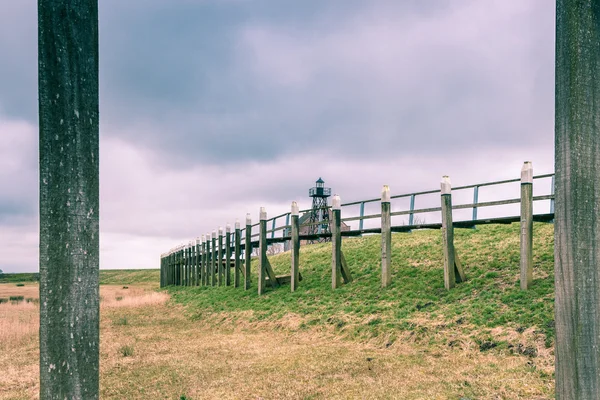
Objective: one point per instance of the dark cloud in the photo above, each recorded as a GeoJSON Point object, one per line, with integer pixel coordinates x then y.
{"type": "Point", "coordinates": [211, 109]}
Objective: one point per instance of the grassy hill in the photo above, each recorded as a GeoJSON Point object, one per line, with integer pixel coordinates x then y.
{"type": "Point", "coordinates": [489, 309]}
{"type": "Point", "coordinates": [129, 276]}
{"type": "Point", "coordinates": [107, 277]}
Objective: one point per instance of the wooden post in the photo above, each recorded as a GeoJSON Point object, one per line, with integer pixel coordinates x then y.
{"type": "Point", "coordinates": [205, 260]}
{"type": "Point", "coordinates": [247, 252]}
{"type": "Point", "coordinates": [262, 257]}
{"type": "Point", "coordinates": [295, 242]}
{"type": "Point", "coordinates": [169, 268]}
{"type": "Point", "coordinates": [213, 259]}
{"type": "Point", "coordinates": [447, 233]}
{"type": "Point", "coordinates": [69, 193]}
{"type": "Point", "coordinates": [181, 265]}
{"type": "Point", "coordinates": [176, 267]}
{"type": "Point", "coordinates": [198, 263]}
{"type": "Point", "coordinates": [227, 265]}
{"type": "Point", "coordinates": [162, 270]}
{"type": "Point", "coordinates": [386, 238]}
{"type": "Point", "coordinates": [526, 225]}
{"type": "Point", "coordinates": [577, 211]}
{"type": "Point", "coordinates": [220, 257]}
{"type": "Point", "coordinates": [237, 250]}
{"type": "Point", "coordinates": [188, 264]}
{"type": "Point", "coordinates": [336, 243]}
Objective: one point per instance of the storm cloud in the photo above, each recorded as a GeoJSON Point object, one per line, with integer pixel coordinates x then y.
{"type": "Point", "coordinates": [211, 109]}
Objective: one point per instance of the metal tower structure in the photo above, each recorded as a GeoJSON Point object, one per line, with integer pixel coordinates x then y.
{"type": "Point", "coordinates": [319, 211]}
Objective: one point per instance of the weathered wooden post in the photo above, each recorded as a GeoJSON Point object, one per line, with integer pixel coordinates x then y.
{"type": "Point", "coordinates": [69, 192]}
{"type": "Point", "coordinates": [162, 264]}
{"type": "Point", "coordinates": [172, 271]}
{"type": "Point", "coordinates": [247, 252]}
{"type": "Point", "coordinates": [204, 260]}
{"type": "Point", "coordinates": [453, 271]}
{"type": "Point", "coordinates": [295, 242]}
{"type": "Point", "coordinates": [447, 233]}
{"type": "Point", "coordinates": [213, 259]}
{"type": "Point", "coordinates": [177, 266]}
{"type": "Point", "coordinates": [220, 257]}
{"type": "Point", "coordinates": [262, 257]}
{"type": "Point", "coordinates": [187, 255]}
{"type": "Point", "coordinates": [386, 238]}
{"type": "Point", "coordinates": [336, 242]}
{"type": "Point", "coordinates": [227, 265]}
{"type": "Point", "coordinates": [168, 268]}
{"type": "Point", "coordinates": [577, 210]}
{"type": "Point", "coordinates": [198, 262]}
{"type": "Point", "coordinates": [526, 225]}
{"type": "Point", "coordinates": [236, 250]}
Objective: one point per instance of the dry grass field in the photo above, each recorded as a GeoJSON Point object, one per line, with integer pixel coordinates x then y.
{"type": "Point", "coordinates": [485, 339]}
{"type": "Point", "coordinates": [151, 350]}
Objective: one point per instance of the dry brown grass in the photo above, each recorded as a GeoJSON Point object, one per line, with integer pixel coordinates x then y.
{"type": "Point", "coordinates": [174, 356]}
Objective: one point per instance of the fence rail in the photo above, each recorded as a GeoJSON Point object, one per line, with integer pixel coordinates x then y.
{"type": "Point", "coordinates": [208, 262]}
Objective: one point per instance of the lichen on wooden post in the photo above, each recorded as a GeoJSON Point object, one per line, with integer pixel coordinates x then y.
{"type": "Point", "coordinates": [386, 237]}
{"type": "Point", "coordinates": [526, 260]}
{"type": "Point", "coordinates": [295, 244]}
{"type": "Point", "coordinates": [69, 198]}
{"type": "Point", "coordinates": [336, 243]}
{"type": "Point", "coordinates": [247, 252]}
{"type": "Point", "coordinates": [577, 191]}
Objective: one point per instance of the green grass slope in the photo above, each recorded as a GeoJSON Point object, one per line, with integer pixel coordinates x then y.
{"type": "Point", "coordinates": [129, 276]}
{"type": "Point", "coordinates": [487, 308]}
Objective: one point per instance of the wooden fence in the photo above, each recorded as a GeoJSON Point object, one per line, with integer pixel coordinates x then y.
{"type": "Point", "coordinates": [209, 260]}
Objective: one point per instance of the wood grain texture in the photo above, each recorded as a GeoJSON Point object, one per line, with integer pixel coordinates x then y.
{"type": "Point", "coordinates": [577, 205]}
{"type": "Point", "coordinates": [295, 244]}
{"type": "Point", "coordinates": [526, 259]}
{"type": "Point", "coordinates": [386, 244]}
{"type": "Point", "coordinates": [69, 198]}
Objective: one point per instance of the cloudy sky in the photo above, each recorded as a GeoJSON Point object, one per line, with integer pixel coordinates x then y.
{"type": "Point", "coordinates": [210, 109]}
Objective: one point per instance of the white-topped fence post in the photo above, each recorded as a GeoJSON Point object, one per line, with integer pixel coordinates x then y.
{"type": "Point", "coordinates": [386, 238]}
{"type": "Point", "coordinates": [247, 252]}
{"type": "Point", "coordinates": [526, 225]}
{"type": "Point", "coordinates": [295, 244]}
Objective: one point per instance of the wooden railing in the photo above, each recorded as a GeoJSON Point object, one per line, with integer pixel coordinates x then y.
{"type": "Point", "coordinates": [208, 261]}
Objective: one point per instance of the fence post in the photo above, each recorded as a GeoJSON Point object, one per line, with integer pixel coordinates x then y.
{"type": "Point", "coordinates": [198, 263]}
{"type": "Point", "coordinates": [447, 233]}
{"type": "Point", "coordinates": [247, 252]}
{"type": "Point", "coordinates": [213, 259]}
{"type": "Point", "coordinates": [262, 251]}
{"type": "Point", "coordinates": [200, 241]}
{"type": "Point", "coordinates": [188, 264]}
{"type": "Point", "coordinates": [475, 201]}
{"type": "Point", "coordinates": [220, 257]}
{"type": "Point", "coordinates": [227, 265]}
{"type": "Point", "coordinates": [386, 238]}
{"type": "Point", "coordinates": [236, 250]}
{"type": "Point", "coordinates": [295, 273]}
{"type": "Point", "coordinates": [169, 264]}
{"type": "Point", "coordinates": [206, 258]}
{"type": "Point", "coordinates": [336, 243]}
{"type": "Point", "coordinates": [162, 264]}
{"type": "Point", "coordinates": [411, 216]}
{"type": "Point", "coordinates": [526, 225]}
